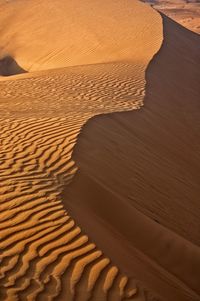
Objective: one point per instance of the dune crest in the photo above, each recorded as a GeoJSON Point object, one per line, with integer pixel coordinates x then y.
{"type": "Point", "coordinates": [72, 34]}
{"type": "Point", "coordinates": [152, 180]}
{"type": "Point", "coordinates": [44, 254]}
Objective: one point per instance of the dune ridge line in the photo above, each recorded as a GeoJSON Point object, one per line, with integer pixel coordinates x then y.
{"type": "Point", "coordinates": [45, 254]}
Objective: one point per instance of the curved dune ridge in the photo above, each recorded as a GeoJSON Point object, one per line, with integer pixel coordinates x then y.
{"type": "Point", "coordinates": [153, 178]}
{"type": "Point", "coordinates": [39, 241]}
{"type": "Point", "coordinates": [44, 254]}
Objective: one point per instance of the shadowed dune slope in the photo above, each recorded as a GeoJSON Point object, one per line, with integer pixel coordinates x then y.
{"type": "Point", "coordinates": [8, 66]}
{"type": "Point", "coordinates": [44, 255]}
{"type": "Point", "coordinates": [138, 187]}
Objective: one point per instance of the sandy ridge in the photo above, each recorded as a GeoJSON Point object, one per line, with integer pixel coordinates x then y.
{"type": "Point", "coordinates": [45, 254]}
{"type": "Point", "coordinates": [157, 152]}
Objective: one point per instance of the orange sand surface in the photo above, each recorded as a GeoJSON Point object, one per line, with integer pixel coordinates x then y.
{"type": "Point", "coordinates": [185, 12]}
{"type": "Point", "coordinates": [101, 207]}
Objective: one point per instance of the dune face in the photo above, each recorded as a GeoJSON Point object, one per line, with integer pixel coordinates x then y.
{"type": "Point", "coordinates": [135, 182]}
{"type": "Point", "coordinates": [70, 34]}
{"type": "Point", "coordinates": [98, 52]}
{"type": "Point", "coordinates": [142, 192]}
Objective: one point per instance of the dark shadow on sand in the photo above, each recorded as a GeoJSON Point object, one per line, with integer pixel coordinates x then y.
{"type": "Point", "coordinates": [8, 67]}
{"type": "Point", "coordinates": [157, 148]}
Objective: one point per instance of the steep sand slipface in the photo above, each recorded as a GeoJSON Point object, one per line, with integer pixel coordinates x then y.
{"type": "Point", "coordinates": [44, 255]}
{"type": "Point", "coordinates": [152, 180]}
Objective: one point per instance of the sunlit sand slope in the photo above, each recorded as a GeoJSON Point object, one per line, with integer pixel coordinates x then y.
{"type": "Point", "coordinates": [50, 34]}
{"type": "Point", "coordinates": [140, 186]}
{"type": "Point", "coordinates": [44, 254]}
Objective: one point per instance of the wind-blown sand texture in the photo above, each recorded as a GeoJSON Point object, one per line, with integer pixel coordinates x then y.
{"type": "Point", "coordinates": [148, 166]}
{"type": "Point", "coordinates": [45, 255]}
{"type": "Point", "coordinates": [90, 58]}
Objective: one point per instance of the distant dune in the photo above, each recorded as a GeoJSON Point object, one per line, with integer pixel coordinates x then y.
{"type": "Point", "coordinates": [42, 35]}
{"type": "Point", "coordinates": [185, 12]}
{"type": "Point", "coordinates": [105, 209]}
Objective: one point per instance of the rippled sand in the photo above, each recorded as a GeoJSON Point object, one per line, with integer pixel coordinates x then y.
{"type": "Point", "coordinates": [70, 62]}
{"type": "Point", "coordinates": [45, 254]}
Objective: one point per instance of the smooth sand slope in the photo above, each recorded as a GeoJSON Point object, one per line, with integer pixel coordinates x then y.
{"type": "Point", "coordinates": [44, 254]}
{"type": "Point", "coordinates": [41, 35]}
{"type": "Point", "coordinates": [140, 185]}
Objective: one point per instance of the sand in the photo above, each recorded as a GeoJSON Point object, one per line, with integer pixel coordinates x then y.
{"type": "Point", "coordinates": [148, 166]}
{"type": "Point", "coordinates": [48, 35]}
{"type": "Point", "coordinates": [185, 12]}
{"type": "Point", "coordinates": [78, 220]}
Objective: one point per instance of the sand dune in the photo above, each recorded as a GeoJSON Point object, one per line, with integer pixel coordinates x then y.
{"type": "Point", "coordinates": [70, 34]}
{"type": "Point", "coordinates": [44, 254]}
{"type": "Point", "coordinates": [153, 177]}
{"type": "Point", "coordinates": [92, 235]}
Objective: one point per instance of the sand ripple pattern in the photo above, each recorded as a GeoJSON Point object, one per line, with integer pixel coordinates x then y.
{"type": "Point", "coordinates": [43, 253]}
{"type": "Point", "coordinates": [83, 90]}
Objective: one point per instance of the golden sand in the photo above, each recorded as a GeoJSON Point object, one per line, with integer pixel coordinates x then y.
{"type": "Point", "coordinates": [98, 52]}
{"type": "Point", "coordinates": [64, 236]}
